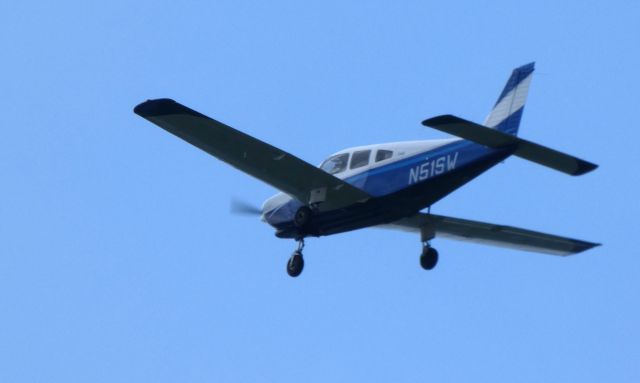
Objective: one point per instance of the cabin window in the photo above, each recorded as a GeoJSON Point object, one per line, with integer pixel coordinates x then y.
{"type": "Point", "coordinates": [382, 155]}
{"type": "Point", "coordinates": [360, 159]}
{"type": "Point", "coordinates": [335, 164]}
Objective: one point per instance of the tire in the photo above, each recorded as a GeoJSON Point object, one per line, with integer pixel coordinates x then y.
{"type": "Point", "coordinates": [295, 264]}
{"type": "Point", "coordinates": [429, 258]}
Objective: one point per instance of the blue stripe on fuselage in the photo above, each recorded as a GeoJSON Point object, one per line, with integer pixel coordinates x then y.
{"type": "Point", "coordinates": [416, 158]}
{"type": "Point", "coordinates": [396, 176]}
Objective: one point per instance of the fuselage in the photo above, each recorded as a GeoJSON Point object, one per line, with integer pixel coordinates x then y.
{"type": "Point", "coordinates": [401, 177]}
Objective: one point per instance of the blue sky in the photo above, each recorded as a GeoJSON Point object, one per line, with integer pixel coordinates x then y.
{"type": "Point", "coordinates": [120, 261]}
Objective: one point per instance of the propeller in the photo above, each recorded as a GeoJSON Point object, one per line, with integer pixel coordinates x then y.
{"type": "Point", "coordinates": [244, 208]}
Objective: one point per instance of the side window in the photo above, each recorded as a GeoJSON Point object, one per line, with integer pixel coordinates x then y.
{"type": "Point", "coordinates": [382, 155]}
{"type": "Point", "coordinates": [360, 159]}
{"type": "Point", "coordinates": [335, 164]}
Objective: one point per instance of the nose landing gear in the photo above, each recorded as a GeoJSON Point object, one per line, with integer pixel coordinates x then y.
{"type": "Point", "coordinates": [296, 262]}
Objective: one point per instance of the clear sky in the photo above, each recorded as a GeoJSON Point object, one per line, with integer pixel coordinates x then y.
{"type": "Point", "coordinates": [120, 260]}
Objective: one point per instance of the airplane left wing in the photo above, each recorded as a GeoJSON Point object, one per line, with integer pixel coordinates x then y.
{"type": "Point", "coordinates": [274, 166]}
{"type": "Point", "coordinates": [490, 234]}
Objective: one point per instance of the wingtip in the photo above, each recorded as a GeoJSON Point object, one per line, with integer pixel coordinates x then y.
{"type": "Point", "coordinates": [155, 107]}
{"type": "Point", "coordinates": [584, 167]}
{"type": "Point", "coordinates": [583, 246]}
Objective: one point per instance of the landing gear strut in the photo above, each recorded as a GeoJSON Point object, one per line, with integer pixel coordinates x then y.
{"type": "Point", "coordinates": [296, 262]}
{"type": "Point", "coordinates": [429, 257]}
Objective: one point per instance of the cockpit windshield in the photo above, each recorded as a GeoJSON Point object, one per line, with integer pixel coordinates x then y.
{"type": "Point", "coordinates": [335, 164]}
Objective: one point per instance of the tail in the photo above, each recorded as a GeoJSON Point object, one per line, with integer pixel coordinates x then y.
{"type": "Point", "coordinates": [500, 128]}
{"type": "Point", "coordinates": [507, 112]}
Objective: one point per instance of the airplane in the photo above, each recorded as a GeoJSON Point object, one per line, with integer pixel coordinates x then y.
{"type": "Point", "coordinates": [383, 185]}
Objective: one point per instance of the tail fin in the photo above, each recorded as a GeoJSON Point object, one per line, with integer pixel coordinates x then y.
{"type": "Point", "coordinates": [507, 112]}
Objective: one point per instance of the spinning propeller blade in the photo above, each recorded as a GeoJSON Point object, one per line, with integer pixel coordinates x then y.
{"type": "Point", "coordinates": [244, 208]}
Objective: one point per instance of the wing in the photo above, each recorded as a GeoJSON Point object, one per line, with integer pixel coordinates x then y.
{"type": "Point", "coordinates": [274, 166]}
{"type": "Point", "coordinates": [490, 234]}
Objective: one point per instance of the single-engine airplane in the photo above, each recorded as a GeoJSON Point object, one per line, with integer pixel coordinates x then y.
{"type": "Point", "coordinates": [384, 185]}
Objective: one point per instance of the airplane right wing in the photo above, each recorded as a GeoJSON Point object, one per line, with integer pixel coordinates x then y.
{"type": "Point", "coordinates": [274, 166]}
{"type": "Point", "coordinates": [490, 234]}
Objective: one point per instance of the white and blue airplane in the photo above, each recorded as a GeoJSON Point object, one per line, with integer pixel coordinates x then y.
{"type": "Point", "coordinates": [383, 185]}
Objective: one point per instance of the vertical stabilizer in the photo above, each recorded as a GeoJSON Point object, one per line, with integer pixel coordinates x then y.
{"type": "Point", "coordinates": [507, 112]}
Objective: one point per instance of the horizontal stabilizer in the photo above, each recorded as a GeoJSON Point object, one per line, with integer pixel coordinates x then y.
{"type": "Point", "coordinates": [491, 234]}
{"type": "Point", "coordinates": [523, 148]}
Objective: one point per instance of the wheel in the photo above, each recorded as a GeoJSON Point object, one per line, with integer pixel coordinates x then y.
{"type": "Point", "coordinates": [429, 258]}
{"type": "Point", "coordinates": [302, 217]}
{"type": "Point", "coordinates": [295, 264]}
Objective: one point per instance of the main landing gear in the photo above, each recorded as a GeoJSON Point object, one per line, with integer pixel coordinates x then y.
{"type": "Point", "coordinates": [429, 257]}
{"type": "Point", "coordinates": [301, 220]}
{"type": "Point", "coordinates": [296, 262]}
